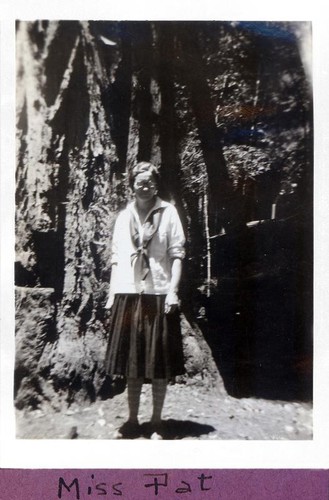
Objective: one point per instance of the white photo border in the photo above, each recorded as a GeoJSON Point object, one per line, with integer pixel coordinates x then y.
{"type": "Point", "coordinates": [186, 454]}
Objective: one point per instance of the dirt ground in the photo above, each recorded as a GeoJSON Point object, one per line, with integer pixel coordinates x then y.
{"type": "Point", "coordinates": [191, 411]}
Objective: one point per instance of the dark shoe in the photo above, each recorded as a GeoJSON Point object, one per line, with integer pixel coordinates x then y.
{"type": "Point", "coordinates": [130, 430]}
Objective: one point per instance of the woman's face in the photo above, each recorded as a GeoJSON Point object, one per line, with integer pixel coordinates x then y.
{"type": "Point", "coordinates": [145, 186]}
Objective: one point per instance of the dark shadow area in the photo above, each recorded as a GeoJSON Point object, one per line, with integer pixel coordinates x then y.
{"type": "Point", "coordinates": [24, 276]}
{"type": "Point", "coordinates": [47, 249]}
{"type": "Point", "coordinates": [142, 104]}
{"type": "Point", "coordinates": [169, 136]}
{"type": "Point", "coordinates": [258, 320]}
{"type": "Point", "coordinates": [116, 98]}
{"type": "Point", "coordinates": [111, 386]}
{"type": "Point", "coordinates": [177, 429]}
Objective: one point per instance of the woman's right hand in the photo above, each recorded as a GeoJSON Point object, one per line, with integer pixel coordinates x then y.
{"type": "Point", "coordinates": [171, 302]}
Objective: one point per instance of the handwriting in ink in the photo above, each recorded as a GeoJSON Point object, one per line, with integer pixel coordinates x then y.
{"type": "Point", "coordinates": [153, 483]}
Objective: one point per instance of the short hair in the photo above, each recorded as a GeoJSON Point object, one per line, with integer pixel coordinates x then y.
{"type": "Point", "coordinates": [143, 166]}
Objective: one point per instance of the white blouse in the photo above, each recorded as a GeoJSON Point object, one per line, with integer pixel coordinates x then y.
{"type": "Point", "coordinates": [166, 244]}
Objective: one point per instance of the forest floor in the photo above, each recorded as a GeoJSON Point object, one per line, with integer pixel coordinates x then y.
{"type": "Point", "coordinates": [191, 411]}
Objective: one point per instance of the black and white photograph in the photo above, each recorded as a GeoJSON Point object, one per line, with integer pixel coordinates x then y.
{"type": "Point", "coordinates": [164, 230]}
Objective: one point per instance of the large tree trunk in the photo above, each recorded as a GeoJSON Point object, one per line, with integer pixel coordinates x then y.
{"type": "Point", "coordinates": [64, 216]}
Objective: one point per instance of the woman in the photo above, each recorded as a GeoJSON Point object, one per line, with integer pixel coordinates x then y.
{"type": "Point", "coordinates": [145, 340]}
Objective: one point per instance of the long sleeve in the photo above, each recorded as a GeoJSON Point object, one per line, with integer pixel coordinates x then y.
{"type": "Point", "coordinates": [176, 244]}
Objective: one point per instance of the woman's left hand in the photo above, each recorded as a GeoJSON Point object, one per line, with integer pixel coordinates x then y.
{"type": "Point", "coordinates": [171, 302]}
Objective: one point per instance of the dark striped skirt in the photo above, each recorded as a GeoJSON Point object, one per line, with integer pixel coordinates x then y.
{"type": "Point", "coordinates": [143, 341]}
